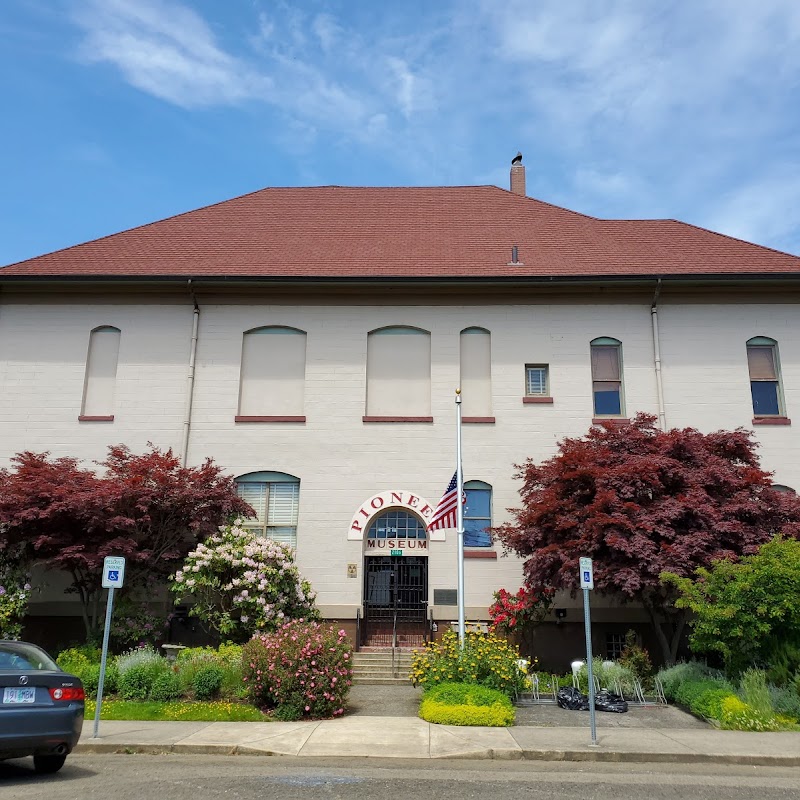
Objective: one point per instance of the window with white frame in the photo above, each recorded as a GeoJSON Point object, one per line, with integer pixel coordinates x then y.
{"type": "Point", "coordinates": [101, 372]}
{"type": "Point", "coordinates": [607, 377]}
{"type": "Point", "coordinates": [765, 381]}
{"type": "Point", "coordinates": [477, 514]}
{"type": "Point", "coordinates": [275, 498]}
{"type": "Point", "coordinates": [537, 380]}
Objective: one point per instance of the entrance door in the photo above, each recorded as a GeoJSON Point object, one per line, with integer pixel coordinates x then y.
{"type": "Point", "coordinates": [395, 600]}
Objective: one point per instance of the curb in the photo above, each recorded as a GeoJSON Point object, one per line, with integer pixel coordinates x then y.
{"type": "Point", "coordinates": [596, 756]}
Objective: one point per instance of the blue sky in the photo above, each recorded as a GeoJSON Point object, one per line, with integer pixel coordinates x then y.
{"type": "Point", "coordinates": [121, 112]}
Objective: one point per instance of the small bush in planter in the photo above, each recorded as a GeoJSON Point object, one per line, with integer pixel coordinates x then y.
{"type": "Point", "coordinates": [466, 704]}
{"type": "Point", "coordinates": [207, 682]}
{"type": "Point", "coordinates": [304, 669]}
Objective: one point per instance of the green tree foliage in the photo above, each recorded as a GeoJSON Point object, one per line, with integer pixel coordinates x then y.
{"type": "Point", "coordinates": [748, 611]}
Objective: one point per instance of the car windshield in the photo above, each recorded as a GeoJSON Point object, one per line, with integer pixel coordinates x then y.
{"type": "Point", "coordinates": [16, 656]}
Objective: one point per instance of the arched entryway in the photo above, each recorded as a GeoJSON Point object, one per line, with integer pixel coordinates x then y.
{"type": "Point", "coordinates": [395, 581]}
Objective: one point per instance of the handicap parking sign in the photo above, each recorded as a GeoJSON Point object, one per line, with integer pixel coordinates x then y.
{"type": "Point", "coordinates": [113, 572]}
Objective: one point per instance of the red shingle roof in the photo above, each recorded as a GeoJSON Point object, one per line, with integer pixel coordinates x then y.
{"type": "Point", "coordinates": [450, 232]}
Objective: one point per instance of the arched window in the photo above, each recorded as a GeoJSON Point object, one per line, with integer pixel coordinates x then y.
{"type": "Point", "coordinates": [275, 498]}
{"type": "Point", "coordinates": [765, 377]}
{"type": "Point", "coordinates": [396, 524]}
{"type": "Point", "coordinates": [607, 377]}
{"type": "Point", "coordinates": [101, 373]}
{"type": "Point", "coordinates": [780, 487]}
{"type": "Point", "coordinates": [273, 372]}
{"type": "Point", "coordinates": [398, 372]}
{"type": "Point", "coordinates": [477, 514]}
{"type": "Point", "coordinates": [476, 372]}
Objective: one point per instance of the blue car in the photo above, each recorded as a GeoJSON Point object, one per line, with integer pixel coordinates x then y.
{"type": "Point", "coordinates": [41, 707]}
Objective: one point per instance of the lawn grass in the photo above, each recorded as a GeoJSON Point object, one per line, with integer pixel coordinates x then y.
{"type": "Point", "coordinates": [149, 710]}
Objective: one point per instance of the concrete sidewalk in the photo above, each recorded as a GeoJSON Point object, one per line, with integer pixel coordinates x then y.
{"type": "Point", "coordinates": [408, 737]}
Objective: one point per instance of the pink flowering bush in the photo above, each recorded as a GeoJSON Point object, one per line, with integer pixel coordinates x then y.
{"type": "Point", "coordinates": [303, 669]}
{"type": "Point", "coordinates": [242, 583]}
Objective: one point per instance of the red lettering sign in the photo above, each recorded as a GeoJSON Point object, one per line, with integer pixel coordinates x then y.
{"type": "Point", "coordinates": [412, 501]}
{"type": "Point", "coordinates": [397, 497]}
{"type": "Point", "coordinates": [377, 502]}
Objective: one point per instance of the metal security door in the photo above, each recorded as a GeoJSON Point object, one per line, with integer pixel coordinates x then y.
{"type": "Point", "coordinates": [395, 598]}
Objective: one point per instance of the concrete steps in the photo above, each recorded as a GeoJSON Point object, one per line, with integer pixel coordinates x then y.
{"type": "Point", "coordinates": [375, 666]}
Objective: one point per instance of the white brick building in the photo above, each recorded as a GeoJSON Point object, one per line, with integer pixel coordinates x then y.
{"type": "Point", "coordinates": [333, 326]}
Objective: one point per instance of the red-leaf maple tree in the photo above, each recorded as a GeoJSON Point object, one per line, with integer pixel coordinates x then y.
{"type": "Point", "coordinates": [146, 507]}
{"type": "Point", "coordinates": [641, 501]}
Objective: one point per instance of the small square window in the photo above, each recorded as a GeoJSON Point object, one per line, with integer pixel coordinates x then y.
{"type": "Point", "coordinates": [537, 380]}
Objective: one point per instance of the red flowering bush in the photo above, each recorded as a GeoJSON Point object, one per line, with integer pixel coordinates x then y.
{"type": "Point", "coordinates": [512, 612]}
{"type": "Point", "coordinates": [303, 669]}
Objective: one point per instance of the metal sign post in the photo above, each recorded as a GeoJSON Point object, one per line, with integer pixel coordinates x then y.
{"type": "Point", "coordinates": [587, 584]}
{"type": "Point", "coordinates": [113, 576]}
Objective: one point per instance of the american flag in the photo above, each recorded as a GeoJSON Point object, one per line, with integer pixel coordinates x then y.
{"type": "Point", "coordinates": [445, 514]}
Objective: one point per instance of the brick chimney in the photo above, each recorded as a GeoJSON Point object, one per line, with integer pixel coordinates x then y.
{"type": "Point", "coordinates": [517, 175]}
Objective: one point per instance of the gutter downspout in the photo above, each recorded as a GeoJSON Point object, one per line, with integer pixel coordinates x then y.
{"type": "Point", "coordinates": [187, 418]}
{"type": "Point", "coordinates": [662, 416]}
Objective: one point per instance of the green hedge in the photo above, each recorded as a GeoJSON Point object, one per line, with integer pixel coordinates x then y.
{"type": "Point", "coordinates": [466, 704]}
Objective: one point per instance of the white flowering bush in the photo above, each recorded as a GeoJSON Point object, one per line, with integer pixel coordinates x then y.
{"type": "Point", "coordinates": [15, 591]}
{"type": "Point", "coordinates": [242, 584]}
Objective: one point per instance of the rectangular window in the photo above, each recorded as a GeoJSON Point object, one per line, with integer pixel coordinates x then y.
{"type": "Point", "coordinates": [477, 515]}
{"type": "Point", "coordinates": [537, 380]}
{"type": "Point", "coordinates": [276, 506]}
{"type": "Point", "coordinates": [606, 380]}
{"type": "Point", "coordinates": [764, 380]}
{"type": "Point", "coordinates": [615, 644]}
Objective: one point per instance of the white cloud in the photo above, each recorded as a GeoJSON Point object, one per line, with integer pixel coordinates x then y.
{"type": "Point", "coordinates": [167, 50]}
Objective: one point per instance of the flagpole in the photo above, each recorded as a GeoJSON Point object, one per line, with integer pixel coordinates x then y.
{"type": "Point", "coordinates": [460, 521]}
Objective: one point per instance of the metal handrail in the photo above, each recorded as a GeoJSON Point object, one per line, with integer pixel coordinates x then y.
{"type": "Point", "coordinates": [394, 642]}
{"type": "Point", "coordinates": [358, 629]}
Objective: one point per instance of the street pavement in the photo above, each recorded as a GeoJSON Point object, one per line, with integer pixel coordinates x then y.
{"type": "Point", "coordinates": [382, 722]}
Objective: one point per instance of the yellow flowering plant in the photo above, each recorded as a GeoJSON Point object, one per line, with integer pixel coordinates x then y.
{"type": "Point", "coordinates": [486, 659]}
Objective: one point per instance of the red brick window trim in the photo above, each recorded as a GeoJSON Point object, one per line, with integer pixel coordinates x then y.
{"type": "Point", "coordinates": [397, 419]}
{"type": "Point", "coordinates": [480, 554]}
{"type": "Point", "coordinates": [269, 419]}
{"type": "Point", "coordinates": [771, 421]}
{"type": "Point", "coordinates": [478, 419]}
{"type": "Point", "coordinates": [537, 400]}
{"type": "Point", "coordinates": [612, 420]}
{"type": "Point", "coordinates": [95, 418]}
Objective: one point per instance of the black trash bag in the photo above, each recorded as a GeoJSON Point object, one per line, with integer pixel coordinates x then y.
{"type": "Point", "coordinates": [608, 701]}
{"type": "Point", "coordinates": [571, 699]}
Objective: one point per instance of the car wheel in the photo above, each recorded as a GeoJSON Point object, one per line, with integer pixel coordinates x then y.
{"type": "Point", "coordinates": [47, 765]}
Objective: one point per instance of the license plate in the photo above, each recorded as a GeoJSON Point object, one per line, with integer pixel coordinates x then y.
{"type": "Point", "coordinates": [19, 695]}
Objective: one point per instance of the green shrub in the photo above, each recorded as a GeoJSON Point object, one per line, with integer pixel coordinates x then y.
{"type": "Point", "coordinates": [166, 687]}
{"type": "Point", "coordinates": [636, 659]}
{"type": "Point", "coordinates": [738, 716]}
{"type": "Point", "coordinates": [487, 660]}
{"type": "Point", "coordinates": [785, 702]}
{"type": "Point", "coordinates": [207, 682]}
{"type": "Point", "coordinates": [78, 657]}
{"type": "Point", "coordinates": [689, 692]}
{"type": "Point", "coordinates": [754, 692]}
{"type": "Point", "coordinates": [466, 704]}
{"type": "Point", "coordinates": [90, 677]}
{"type": "Point", "coordinates": [708, 703]}
{"type": "Point", "coordinates": [138, 656]}
{"type": "Point", "coordinates": [672, 677]}
{"type": "Point", "coordinates": [228, 658]}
